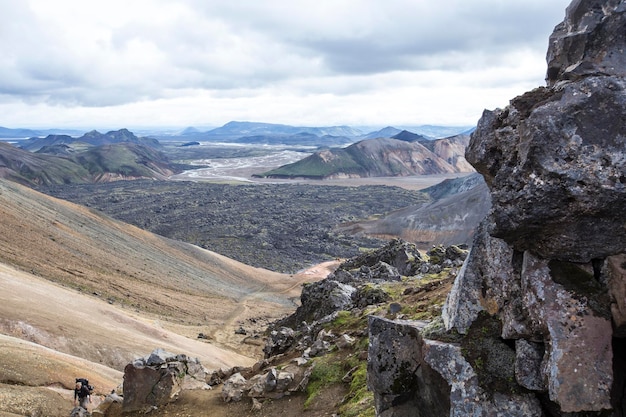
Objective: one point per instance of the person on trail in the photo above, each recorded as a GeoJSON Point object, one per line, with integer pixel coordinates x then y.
{"type": "Point", "coordinates": [81, 395]}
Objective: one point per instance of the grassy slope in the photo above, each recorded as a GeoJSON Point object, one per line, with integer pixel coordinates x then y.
{"type": "Point", "coordinates": [92, 164]}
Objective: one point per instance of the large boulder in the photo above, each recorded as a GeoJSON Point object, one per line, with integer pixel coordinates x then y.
{"type": "Point", "coordinates": [554, 158]}
{"type": "Point", "coordinates": [397, 373]}
{"type": "Point", "coordinates": [555, 163]}
{"type": "Point", "coordinates": [158, 379]}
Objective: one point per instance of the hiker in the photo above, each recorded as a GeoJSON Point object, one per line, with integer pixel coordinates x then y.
{"type": "Point", "coordinates": [81, 395]}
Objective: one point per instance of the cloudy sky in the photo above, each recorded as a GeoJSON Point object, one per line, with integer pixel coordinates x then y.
{"type": "Point", "coordinates": [133, 63]}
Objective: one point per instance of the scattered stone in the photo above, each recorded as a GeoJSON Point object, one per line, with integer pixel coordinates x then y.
{"type": "Point", "coordinates": [279, 341]}
{"type": "Point", "coordinates": [256, 405]}
{"type": "Point", "coordinates": [79, 412]}
{"type": "Point", "coordinates": [345, 341]}
{"type": "Point", "coordinates": [395, 308]}
{"type": "Point", "coordinates": [528, 365]}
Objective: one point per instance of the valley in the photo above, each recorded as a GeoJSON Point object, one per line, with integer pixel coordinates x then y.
{"type": "Point", "coordinates": [281, 227]}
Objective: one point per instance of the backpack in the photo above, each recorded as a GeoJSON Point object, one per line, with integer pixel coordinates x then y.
{"type": "Point", "coordinates": [85, 383]}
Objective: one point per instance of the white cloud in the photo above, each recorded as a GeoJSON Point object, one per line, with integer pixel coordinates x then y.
{"type": "Point", "coordinates": [185, 62]}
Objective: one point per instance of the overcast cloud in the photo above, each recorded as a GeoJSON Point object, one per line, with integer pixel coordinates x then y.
{"type": "Point", "coordinates": [127, 63]}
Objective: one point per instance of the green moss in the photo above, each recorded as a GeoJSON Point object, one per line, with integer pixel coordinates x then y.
{"type": "Point", "coordinates": [360, 401]}
{"type": "Point", "coordinates": [491, 358]}
{"type": "Point", "coordinates": [326, 372]}
{"type": "Point", "coordinates": [346, 321]}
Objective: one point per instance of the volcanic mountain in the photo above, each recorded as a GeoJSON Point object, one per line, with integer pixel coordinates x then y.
{"type": "Point", "coordinates": [379, 158]}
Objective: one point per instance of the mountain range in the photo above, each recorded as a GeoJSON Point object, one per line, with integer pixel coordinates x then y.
{"type": "Point", "coordinates": [63, 164]}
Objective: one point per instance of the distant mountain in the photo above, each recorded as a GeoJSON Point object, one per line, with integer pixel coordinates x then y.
{"type": "Point", "coordinates": [455, 209]}
{"type": "Point", "coordinates": [298, 139]}
{"type": "Point", "coordinates": [379, 158]}
{"type": "Point", "coordinates": [407, 136]}
{"type": "Point", "coordinates": [96, 164]}
{"type": "Point", "coordinates": [438, 132]}
{"type": "Point", "coordinates": [236, 130]}
{"type": "Point", "coordinates": [29, 133]}
{"type": "Point", "coordinates": [17, 133]}
{"type": "Point", "coordinates": [93, 138]}
{"type": "Point", "coordinates": [387, 132]}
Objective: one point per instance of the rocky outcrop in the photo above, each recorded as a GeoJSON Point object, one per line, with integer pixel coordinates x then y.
{"type": "Point", "coordinates": [157, 379]}
{"type": "Point", "coordinates": [350, 285]}
{"type": "Point", "coordinates": [534, 324]}
{"type": "Point", "coordinates": [272, 384]}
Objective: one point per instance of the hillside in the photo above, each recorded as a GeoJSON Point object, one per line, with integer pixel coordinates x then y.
{"type": "Point", "coordinates": [62, 164]}
{"type": "Point", "coordinates": [380, 157]}
{"type": "Point", "coordinates": [449, 217]}
{"type": "Point", "coordinates": [85, 294]}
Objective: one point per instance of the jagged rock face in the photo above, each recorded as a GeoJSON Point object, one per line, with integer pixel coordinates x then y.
{"type": "Point", "coordinates": [548, 263]}
{"type": "Point", "coordinates": [554, 159]}
{"type": "Point", "coordinates": [589, 41]}
{"type": "Point", "coordinates": [402, 382]}
{"type": "Point", "coordinates": [556, 166]}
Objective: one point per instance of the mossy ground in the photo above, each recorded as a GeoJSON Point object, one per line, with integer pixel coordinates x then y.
{"type": "Point", "coordinates": [421, 298]}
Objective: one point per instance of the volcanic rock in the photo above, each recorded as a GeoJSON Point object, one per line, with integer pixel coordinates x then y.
{"type": "Point", "coordinates": [535, 322]}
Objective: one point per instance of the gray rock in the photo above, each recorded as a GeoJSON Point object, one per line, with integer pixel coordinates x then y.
{"type": "Point", "coordinates": [233, 388]}
{"type": "Point", "coordinates": [616, 272]}
{"type": "Point", "coordinates": [146, 386]}
{"type": "Point", "coordinates": [345, 341]}
{"type": "Point", "coordinates": [402, 383]}
{"type": "Point", "coordinates": [555, 163]}
{"type": "Point", "coordinates": [578, 362]}
{"type": "Point", "coordinates": [486, 282]}
{"type": "Point", "coordinates": [158, 357]}
{"type": "Point", "coordinates": [466, 397]}
{"type": "Point", "coordinates": [79, 412]}
{"type": "Point", "coordinates": [548, 263]}
{"type": "Point", "coordinates": [279, 341]}
{"type": "Point", "coordinates": [528, 365]}
{"type": "Point", "coordinates": [158, 379]}
{"type": "Point", "coordinates": [585, 43]}
{"type": "Point", "coordinates": [403, 256]}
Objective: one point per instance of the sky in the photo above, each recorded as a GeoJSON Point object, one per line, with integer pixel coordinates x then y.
{"type": "Point", "coordinates": [178, 63]}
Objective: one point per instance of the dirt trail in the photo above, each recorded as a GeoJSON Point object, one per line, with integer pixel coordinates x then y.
{"type": "Point", "coordinates": [253, 313]}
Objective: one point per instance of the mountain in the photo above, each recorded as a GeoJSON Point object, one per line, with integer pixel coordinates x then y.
{"type": "Point", "coordinates": [435, 131]}
{"type": "Point", "coordinates": [93, 138]}
{"type": "Point", "coordinates": [63, 165]}
{"type": "Point", "coordinates": [297, 139]}
{"type": "Point", "coordinates": [378, 158]}
{"type": "Point", "coordinates": [256, 132]}
{"type": "Point", "coordinates": [17, 133]}
{"type": "Point", "coordinates": [407, 136]}
{"type": "Point", "coordinates": [387, 132]}
{"type": "Point", "coordinates": [29, 133]}
{"type": "Point", "coordinates": [451, 216]}
{"type": "Point", "coordinates": [34, 169]}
